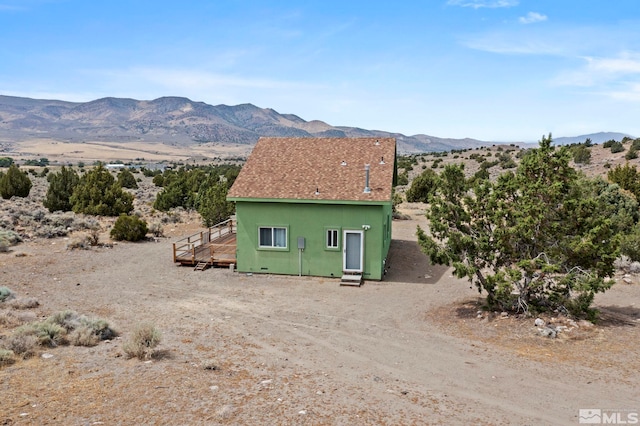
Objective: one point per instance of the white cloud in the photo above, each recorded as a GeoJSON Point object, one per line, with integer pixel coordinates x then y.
{"type": "Point", "coordinates": [615, 77]}
{"type": "Point", "coordinates": [477, 4]}
{"type": "Point", "coordinates": [532, 17]}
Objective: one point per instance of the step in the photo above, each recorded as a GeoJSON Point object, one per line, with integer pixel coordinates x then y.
{"type": "Point", "coordinates": [201, 266]}
{"type": "Point", "coordinates": [351, 279]}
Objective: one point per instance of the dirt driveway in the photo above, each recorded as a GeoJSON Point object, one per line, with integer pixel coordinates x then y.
{"type": "Point", "coordinates": [262, 349]}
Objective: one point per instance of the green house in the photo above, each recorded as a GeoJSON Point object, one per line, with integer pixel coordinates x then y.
{"type": "Point", "coordinates": [316, 206]}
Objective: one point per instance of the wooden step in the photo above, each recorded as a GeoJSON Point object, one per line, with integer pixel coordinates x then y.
{"type": "Point", "coordinates": [351, 279]}
{"type": "Point", "coordinates": [201, 266]}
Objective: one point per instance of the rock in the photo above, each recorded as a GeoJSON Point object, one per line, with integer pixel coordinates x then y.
{"type": "Point", "coordinates": [627, 280]}
{"type": "Point", "coordinates": [549, 332]}
{"type": "Point", "coordinates": [266, 382]}
{"type": "Point", "coordinates": [504, 314]}
{"type": "Point", "coordinates": [302, 412]}
{"type": "Point", "coordinates": [47, 356]}
{"type": "Point", "coordinates": [539, 322]}
{"type": "Point", "coordinates": [214, 388]}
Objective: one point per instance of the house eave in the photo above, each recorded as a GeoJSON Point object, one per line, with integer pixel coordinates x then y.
{"type": "Point", "coordinates": [310, 201]}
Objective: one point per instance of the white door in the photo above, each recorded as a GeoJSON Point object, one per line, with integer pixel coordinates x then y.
{"type": "Point", "coordinates": [353, 251]}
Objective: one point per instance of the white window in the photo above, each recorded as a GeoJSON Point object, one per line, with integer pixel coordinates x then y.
{"type": "Point", "coordinates": [332, 238]}
{"type": "Point", "coordinates": [271, 237]}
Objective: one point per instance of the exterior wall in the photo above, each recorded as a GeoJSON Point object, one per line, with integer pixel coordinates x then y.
{"type": "Point", "coordinates": [311, 221]}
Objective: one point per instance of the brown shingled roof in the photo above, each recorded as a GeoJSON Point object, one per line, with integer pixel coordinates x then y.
{"type": "Point", "coordinates": [294, 168]}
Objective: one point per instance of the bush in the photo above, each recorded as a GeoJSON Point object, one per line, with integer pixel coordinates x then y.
{"type": "Point", "coordinates": [142, 343]}
{"type": "Point", "coordinates": [21, 344]}
{"type": "Point", "coordinates": [616, 147]}
{"type": "Point", "coordinates": [581, 155]}
{"type": "Point", "coordinates": [5, 294]}
{"type": "Point", "coordinates": [632, 154]}
{"type": "Point", "coordinates": [14, 183]}
{"type": "Point", "coordinates": [129, 228]}
{"type": "Point", "coordinates": [7, 357]}
{"type": "Point", "coordinates": [45, 333]}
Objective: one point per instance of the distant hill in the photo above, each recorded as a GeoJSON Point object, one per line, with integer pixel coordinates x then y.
{"type": "Point", "coordinates": [181, 121]}
{"type": "Point", "coordinates": [596, 138]}
{"type": "Point", "coordinates": [178, 120]}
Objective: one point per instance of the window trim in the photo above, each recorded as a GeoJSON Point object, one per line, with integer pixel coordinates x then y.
{"type": "Point", "coordinates": [273, 228]}
{"type": "Point", "coordinates": [337, 231]}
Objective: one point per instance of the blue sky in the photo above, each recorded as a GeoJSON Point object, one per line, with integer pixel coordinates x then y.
{"type": "Point", "coordinates": [496, 70]}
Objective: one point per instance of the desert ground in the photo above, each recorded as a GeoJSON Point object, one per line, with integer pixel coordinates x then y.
{"type": "Point", "coordinates": [416, 348]}
{"type": "Point", "coordinates": [263, 349]}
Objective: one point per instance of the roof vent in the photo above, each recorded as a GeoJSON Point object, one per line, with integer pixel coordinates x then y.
{"type": "Point", "coordinates": [344, 163]}
{"type": "Point", "coordinates": [377, 142]}
{"type": "Point", "coordinates": [367, 189]}
{"type": "Point", "coordinates": [317, 191]}
{"type": "Point", "coordinates": [381, 160]}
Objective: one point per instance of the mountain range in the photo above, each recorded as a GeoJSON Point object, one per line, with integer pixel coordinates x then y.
{"type": "Point", "coordinates": [178, 120]}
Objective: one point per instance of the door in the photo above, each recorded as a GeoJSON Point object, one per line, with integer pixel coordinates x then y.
{"type": "Point", "coordinates": [352, 251]}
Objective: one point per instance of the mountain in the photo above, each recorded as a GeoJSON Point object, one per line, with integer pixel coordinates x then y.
{"type": "Point", "coordinates": [596, 138]}
{"type": "Point", "coordinates": [182, 121]}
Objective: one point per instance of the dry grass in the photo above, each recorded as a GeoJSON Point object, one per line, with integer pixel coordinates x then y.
{"type": "Point", "coordinates": [142, 343]}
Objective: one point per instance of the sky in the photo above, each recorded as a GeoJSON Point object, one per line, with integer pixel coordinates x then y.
{"type": "Point", "coordinates": [494, 70]}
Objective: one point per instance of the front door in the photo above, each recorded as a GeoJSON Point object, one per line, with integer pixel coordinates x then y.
{"type": "Point", "coordinates": [352, 251]}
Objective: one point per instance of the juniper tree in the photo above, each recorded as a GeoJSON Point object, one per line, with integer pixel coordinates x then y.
{"type": "Point", "coordinates": [531, 240]}
{"type": "Point", "coordinates": [14, 183]}
{"type": "Point", "coordinates": [98, 193]}
{"type": "Point", "coordinates": [61, 186]}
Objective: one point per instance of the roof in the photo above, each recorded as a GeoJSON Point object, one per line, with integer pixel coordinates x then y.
{"type": "Point", "coordinates": [317, 169]}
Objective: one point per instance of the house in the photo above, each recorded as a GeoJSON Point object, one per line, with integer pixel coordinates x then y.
{"type": "Point", "coordinates": [316, 206]}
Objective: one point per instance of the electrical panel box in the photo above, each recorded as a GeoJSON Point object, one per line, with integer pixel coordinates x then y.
{"type": "Point", "coordinates": [300, 243]}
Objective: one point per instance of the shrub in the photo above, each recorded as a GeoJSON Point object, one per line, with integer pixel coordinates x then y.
{"type": "Point", "coordinates": [45, 333]}
{"type": "Point", "coordinates": [142, 343]}
{"type": "Point", "coordinates": [24, 303]}
{"type": "Point", "coordinates": [5, 294]}
{"type": "Point", "coordinates": [21, 344]}
{"type": "Point", "coordinates": [158, 180]}
{"type": "Point", "coordinates": [80, 330]}
{"type": "Point", "coordinates": [616, 147]}
{"type": "Point", "coordinates": [156, 229]}
{"type": "Point", "coordinates": [581, 155]}
{"type": "Point", "coordinates": [129, 228]}
{"type": "Point", "coordinates": [7, 357]}
{"type": "Point", "coordinates": [14, 183]}
{"type": "Point", "coordinates": [632, 154]}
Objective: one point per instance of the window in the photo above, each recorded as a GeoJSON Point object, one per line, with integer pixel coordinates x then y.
{"type": "Point", "coordinates": [270, 237]}
{"type": "Point", "coordinates": [332, 238]}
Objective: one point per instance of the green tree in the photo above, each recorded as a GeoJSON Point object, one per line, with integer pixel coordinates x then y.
{"type": "Point", "coordinates": [422, 187]}
{"type": "Point", "coordinates": [627, 177]}
{"type": "Point", "coordinates": [15, 183]}
{"type": "Point", "coordinates": [98, 193]}
{"type": "Point", "coordinates": [61, 186]}
{"type": "Point", "coordinates": [126, 179]}
{"type": "Point", "coordinates": [6, 161]}
{"type": "Point", "coordinates": [531, 240]}
{"type": "Point", "coordinates": [212, 203]}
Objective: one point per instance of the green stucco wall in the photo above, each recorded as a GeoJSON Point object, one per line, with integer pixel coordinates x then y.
{"type": "Point", "coordinates": [311, 221]}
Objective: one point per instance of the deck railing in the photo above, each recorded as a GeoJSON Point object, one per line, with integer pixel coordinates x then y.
{"type": "Point", "coordinates": [187, 248]}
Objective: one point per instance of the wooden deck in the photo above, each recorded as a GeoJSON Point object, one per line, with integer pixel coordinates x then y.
{"type": "Point", "coordinates": [215, 246]}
